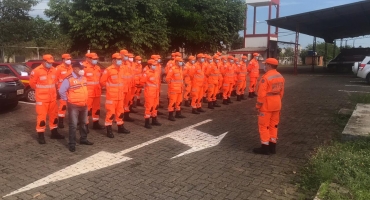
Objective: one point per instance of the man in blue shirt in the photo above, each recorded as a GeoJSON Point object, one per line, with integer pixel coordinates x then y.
{"type": "Point", "coordinates": [74, 91]}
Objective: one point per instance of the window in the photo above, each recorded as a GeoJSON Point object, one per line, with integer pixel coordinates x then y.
{"type": "Point", "coordinates": [22, 70]}
{"type": "Point", "coordinates": [6, 70]}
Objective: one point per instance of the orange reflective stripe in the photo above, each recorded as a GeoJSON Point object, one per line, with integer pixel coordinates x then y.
{"type": "Point", "coordinates": [45, 86]}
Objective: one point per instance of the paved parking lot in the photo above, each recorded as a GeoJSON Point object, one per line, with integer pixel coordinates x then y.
{"type": "Point", "coordinates": [213, 161]}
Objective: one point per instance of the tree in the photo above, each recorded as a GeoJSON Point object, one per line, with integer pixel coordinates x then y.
{"type": "Point", "coordinates": [14, 21]}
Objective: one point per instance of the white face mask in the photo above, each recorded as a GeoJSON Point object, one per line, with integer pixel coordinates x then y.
{"type": "Point", "coordinates": [139, 61]}
{"type": "Point", "coordinates": [81, 72]}
{"type": "Point", "coordinates": [68, 62]}
{"type": "Point", "coordinates": [131, 59]}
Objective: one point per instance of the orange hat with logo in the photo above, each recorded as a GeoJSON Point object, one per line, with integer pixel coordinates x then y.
{"type": "Point", "coordinates": [178, 54]}
{"type": "Point", "coordinates": [93, 56]}
{"type": "Point", "coordinates": [256, 54]}
{"type": "Point", "coordinates": [137, 58]}
{"type": "Point", "coordinates": [236, 59]}
{"type": "Point", "coordinates": [151, 61]}
{"type": "Point", "coordinates": [123, 52]}
{"type": "Point", "coordinates": [230, 57]}
{"type": "Point", "coordinates": [191, 58]}
{"type": "Point", "coordinates": [66, 56]}
{"type": "Point", "coordinates": [271, 61]}
{"type": "Point", "coordinates": [244, 57]}
{"type": "Point", "coordinates": [178, 59]}
{"type": "Point", "coordinates": [48, 58]}
{"type": "Point", "coordinates": [158, 56]}
{"type": "Point", "coordinates": [130, 55]}
{"type": "Point", "coordinates": [154, 57]}
{"type": "Point", "coordinates": [216, 57]}
{"type": "Point", "coordinates": [200, 55]}
{"type": "Point", "coordinates": [116, 56]}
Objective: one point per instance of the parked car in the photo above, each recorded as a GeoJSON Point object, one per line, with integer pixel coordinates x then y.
{"type": "Point", "coordinates": [362, 69]}
{"type": "Point", "coordinates": [11, 91]}
{"type": "Point", "coordinates": [345, 59]}
{"type": "Point", "coordinates": [22, 72]}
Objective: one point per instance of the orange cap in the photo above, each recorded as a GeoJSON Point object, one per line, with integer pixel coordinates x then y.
{"type": "Point", "coordinates": [208, 56]}
{"type": "Point", "coordinates": [178, 59]}
{"type": "Point", "coordinates": [244, 57]}
{"type": "Point", "coordinates": [256, 54]}
{"type": "Point", "coordinates": [66, 56]}
{"type": "Point", "coordinates": [236, 59]}
{"type": "Point", "coordinates": [219, 53]}
{"type": "Point", "coordinates": [200, 55]}
{"type": "Point", "coordinates": [158, 56]}
{"type": "Point", "coordinates": [178, 54]}
{"type": "Point", "coordinates": [230, 57]}
{"type": "Point", "coordinates": [154, 57]}
{"type": "Point", "coordinates": [223, 58]}
{"type": "Point", "coordinates": [216, 57]}
{"type": "Point", "coordinates": [271, 61]}
{"type": "Point", "coordinates": [93, 56]}
{"type": "Point", "coordinates": [116, 56]}
{"type": "Point", "coordinates": [123, 52]}
{"type": "Point", "coordinates": [151, 61]}
{"type": "Point", "coordinates": [191, 58]}
{"type": "Point", "coordinates": [137, 58]}
{"type": "Point", "coordinates": [130, 55]}
{"type": "Point", "coordinates": [48, 58]}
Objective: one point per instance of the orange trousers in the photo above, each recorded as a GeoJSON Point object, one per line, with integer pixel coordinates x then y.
{"type": "Point", "coordinates": [212, 92]}
{"type": "Point", "coordinates": [187, 91]}
{"type": "Point", "coordinates": [227, 89]}
{"type": "Point", "coordinates": [128, 100]}
{"type": "Point", "coordinates": [93, 107]}
{"type": "Point", "coordinates": [240, 86]}
{"type": "Point", "coordinates": [175, 101]}
{"type": "Point", "coordinates": [43, 109]}
{"type": "Point", "coordinates": [62, 108]}
{"type": "Point", "coordinates": [268, 126]}
{"type": "Point", "coordinates": [137, 92]}
{"type": "Point", "coordinates": [252, 84]}
{"type": "Point", "coordinates": [115, 112]}
{"type": "Point", "coordinates": [196, 96]}
{"type": "Point", "coordinates": [151, 106]}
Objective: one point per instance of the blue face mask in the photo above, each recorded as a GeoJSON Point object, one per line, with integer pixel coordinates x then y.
{"type": "Point", "coordinates": [125, 58]}
{"type": "Point", "coordinates": [94, 62]}
{"type": "Point", "coordinates": [202, 60]}
{"type": "Point", "coordinates": [154, 67]}
{"type": "Point", "coordinates": [48, 65]}
{"type": "Point", "coordinates": [119, 62]}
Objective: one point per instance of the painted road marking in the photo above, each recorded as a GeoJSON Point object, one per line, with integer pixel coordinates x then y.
{"type": "Point", "coordinates": [26, 102]}
{"type": "Point", "coordinates": [353, 91]}
{"type": "Point", "coordinates": [357, 85]}
{"type": "Point", "coordinates": [197, 140]}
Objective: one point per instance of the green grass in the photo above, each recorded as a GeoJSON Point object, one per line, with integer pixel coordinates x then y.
{"type": "Point", "coordinates": [346, 164]}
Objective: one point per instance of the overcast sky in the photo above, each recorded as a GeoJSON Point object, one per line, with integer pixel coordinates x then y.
{"type": "Point", "coordinates": [287, 7]}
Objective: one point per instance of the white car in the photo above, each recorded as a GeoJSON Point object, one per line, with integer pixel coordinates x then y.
{"type": "Point", "coordinates": [362, 69]}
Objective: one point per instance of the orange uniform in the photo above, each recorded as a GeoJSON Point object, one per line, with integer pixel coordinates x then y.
{"type": "Point", "coordinates": [175, 79]}
{"type": "Point", "coordinates": [241, 82]}
{"type": "Point", "coordinates": [214, 78]}
{"type": "Point", "coordinates": [137, 70]}
{"type": "Point", "coordinates": [132, 89]}
{"type": "Point", "coordinates": [62, 71]}
{"type": "Point", "coordinates": [270, 94]}
{"type": "Point", "coordinates": [197, 76]}
{"type": "Point", "coordinates": [254, 72]}
{"type": "Point", "coordinates": [187, 80]}
{"type": "Point", "coordinates": [228, 81]}
{"type": "Point", "coordinates": [150, 81]}
{"type": "Point", "coordinates": [43, 81]}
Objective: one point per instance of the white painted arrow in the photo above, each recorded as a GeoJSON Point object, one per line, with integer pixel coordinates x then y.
{"type": "Point", "coordinates": [196, 139]}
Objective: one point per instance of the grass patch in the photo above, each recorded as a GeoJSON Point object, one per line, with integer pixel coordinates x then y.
{"type": "Point", "coordinates": [342, 169]}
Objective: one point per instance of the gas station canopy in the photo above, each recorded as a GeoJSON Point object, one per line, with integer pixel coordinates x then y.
{"type": "Point", "coordinates": [350, 20]}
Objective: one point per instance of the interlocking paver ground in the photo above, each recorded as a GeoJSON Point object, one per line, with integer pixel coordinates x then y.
{"type": "Point", "coordinates": [227, 171]}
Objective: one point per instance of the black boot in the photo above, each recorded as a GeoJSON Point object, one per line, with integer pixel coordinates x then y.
{"type": "Point", "coordinates": [187, 103]}
{"type": "Point", "coordinates": [233, 93]}
{"type": "Point", "coordinates": [179, 115]}
{"type": "Point", "coordinates": [41, 138]}
{"type": "Point", "coordinates": [109, 131]}
{"type": "Point", "coordinates": [195, 111]}
{"type": "Point", "coordinates": [272, 148]}
{"type": "Point", "coordinates": [97, 126]}
{"type": "Point", "coordinates": [254, 94]}
{"type": "Point", "coordinates": [133, 103]}
{"type": "Point", "coordinates": [132, 110]}
{"type": "Point", "coordinates": [60, 122]}
{"type": "Point", "coordinates": [205, 100]}
{"type": "Point", "coordinates": [229, 100]}
{"type": "Point", "coordinates": [225, 102]}
{"type": "Point", "coordinates": [250, 95]}
{"type": "Point", "coordinates": [264, 149]}
{"type": "Point", "coordinates": [87, 128]}
{"type": "Point", "coordinates": [138, 103]}
{"type": "Point", "coordinates": [215, 104]}
{"type": "Point", "coordinates": [127, 117]}
{"type": "Point", "coordinates": [200, 110]}
{"type": "Point", "coordinates": [170, 116]}
{"type": "Point", "coordinates": [242, 97]}
{"type": "Point", "coordinates": [155, 122]}
{"type": "Point", "coordinates": [238, 98]}
{"type": "Point", "coordinates": [56, 135]}
{"type": "Point", "coordinates": [121, 129]}
{"type": "Point", "coordinates": [219, 96]}
{"type": "Point", "coordinates": [210, 105]}
{"type": "Point", "coordinates": [147, 123]}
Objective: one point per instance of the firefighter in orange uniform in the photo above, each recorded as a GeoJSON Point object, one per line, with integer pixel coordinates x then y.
{"type": "Point", "coordinates": [214, 80]}
{"type": "Point", "coordinates": [129, 102]}
{"type": "Point", "coordinates": [270, 93]}
{"type": "Point", "coordinates": [63, 70]}
{"type": "Point", "coordinates": [222, 67]}
{"type": "Point", "coordinates": [187, 80]}
{"type": "Point", "coordinates": [254, 72]}
{"type": "Point", "coordinates": [150, 81]}
{"type": "Point", "coordinates": [138, 70]}
{"type": "Point", "coordinates": [43, 81]}
{"type": "Point", "coordinates": [197, 81]}
{"type": "Point", "coordinates": [242, 79]}
{"type": "Point", "coordinates": [205, 65]}
{"type": "Point", "coordinates": [175, 83]}
{"type": "Point", "coordinates": [113, 81]}
{"type": "Point", "coordinates": [128, 83]}
{"type": "Point", "coordinates": [229, 80]}
{"type": "Point", "coordinates": [93, 74]}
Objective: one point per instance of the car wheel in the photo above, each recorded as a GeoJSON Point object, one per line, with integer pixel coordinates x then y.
{"type": "Point", "coordinates": [30, 96]}
{"type": "Point", "coordinates": [164, 78]}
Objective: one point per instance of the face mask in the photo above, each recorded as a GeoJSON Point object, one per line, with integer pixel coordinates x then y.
{"type": "Point", "coordinates": [193, 61]}
{"type": "Point", "coordinates": [119, 62]}
{"type": "Point", "coordinates": [81, 72]}
{"type": "Point", "coordinates": [231, 61]}
{"type": "Point", "coordinates": [159, 60]}
{"type": "Point", "coordinates": [94, 62]}
{"type": "Point", "coordinates": [224, 61]}
{"type": "Point", "coordinates": [237, 63]}
{"type": "Point", "coordinates": [131, 59]}
{"type": "Point", "coordinates": [125, 58]}
{"type": "Point", "coordinates": [48, 65]}
{"type": "Point", "coordinates": [154, 67]}
{"type": "Point", "coordinates": [210, 61]}
{"type": "Point", "coordinates": [202, 60]}
{"type": "Point", "coordinates": [245, 61]}
{"type": "Point", "coordinates": [139, 61]}
{"type": "Point", "coordinates": [68, 62]}
{"type": "Point", "coordinates": [257, 58]}
{"type": "Point", "coordinates": [216, 61]}
{"type": "Point", "coordinates": [264, 68]}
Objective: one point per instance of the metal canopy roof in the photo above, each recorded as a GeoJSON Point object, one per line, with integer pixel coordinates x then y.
{"type": "Point", "coordinates": [350, 20]}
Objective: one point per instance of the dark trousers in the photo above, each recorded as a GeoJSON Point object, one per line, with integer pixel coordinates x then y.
{"type": "Point", "coordinates": [77, 114]}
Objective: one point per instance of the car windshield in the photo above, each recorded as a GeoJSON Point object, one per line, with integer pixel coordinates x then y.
{"type": "Point", "coordinates": [22, 70]}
